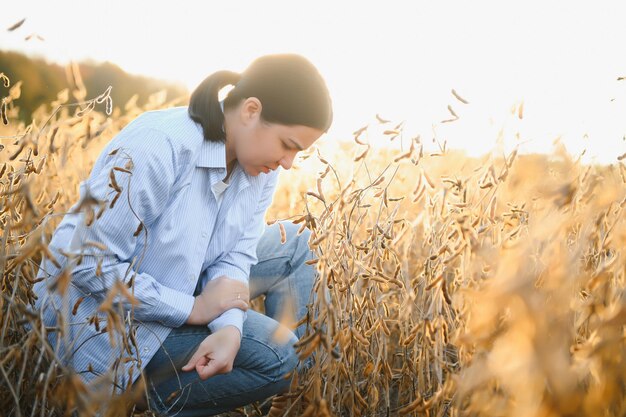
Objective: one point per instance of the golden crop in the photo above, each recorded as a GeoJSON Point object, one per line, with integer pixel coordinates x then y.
{"type": "Point", "coordinates": [447, 286]}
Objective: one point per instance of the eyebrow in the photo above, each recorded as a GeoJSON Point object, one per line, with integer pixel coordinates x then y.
{"type": "Point", "coordinates": [296, 144]}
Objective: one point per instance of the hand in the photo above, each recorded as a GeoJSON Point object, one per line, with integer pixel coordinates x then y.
{"type": "Point", "coordinates": [216, 354]}
{"type": "Point", "coordinates": [219, 295]}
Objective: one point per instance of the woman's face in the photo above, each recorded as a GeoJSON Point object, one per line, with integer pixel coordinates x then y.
{"type": "Point", "coordinates": [260, 146]}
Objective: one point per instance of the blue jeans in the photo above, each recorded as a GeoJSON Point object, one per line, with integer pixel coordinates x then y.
{"type": "Point", "coordinates": [262, 361]}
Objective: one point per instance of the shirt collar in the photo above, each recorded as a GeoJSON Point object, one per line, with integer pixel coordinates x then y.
{"type": "Point", "coordinates": [212, 155]}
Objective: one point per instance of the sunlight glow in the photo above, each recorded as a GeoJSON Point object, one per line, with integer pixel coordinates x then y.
{"type": "Point", "coordinates": [400, 59]}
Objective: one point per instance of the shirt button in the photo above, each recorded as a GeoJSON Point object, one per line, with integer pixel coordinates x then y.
{"type": "Point", "coordinates": [204, 234]}
{"type": "Point", "coordinates": [146, 349]}
{"type": "Point", "coordinates": [190, 277]}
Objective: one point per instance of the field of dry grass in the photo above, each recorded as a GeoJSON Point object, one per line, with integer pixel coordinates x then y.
{"type": "Point", "coordinates": [448, 286]}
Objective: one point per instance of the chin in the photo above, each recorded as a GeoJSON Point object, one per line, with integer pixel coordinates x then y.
{"type": "Point", "coordinates": [253, 172]}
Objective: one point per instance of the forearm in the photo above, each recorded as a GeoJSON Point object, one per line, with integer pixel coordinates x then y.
{"type": "Point", "coordinates": [156, 301]}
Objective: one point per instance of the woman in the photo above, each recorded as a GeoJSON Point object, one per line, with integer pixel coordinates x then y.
{"type": "Point", "coordinates": [186, 191]}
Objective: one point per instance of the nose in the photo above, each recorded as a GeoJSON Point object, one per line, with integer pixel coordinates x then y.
{"type": "Point", "coordinates": [287, 161]}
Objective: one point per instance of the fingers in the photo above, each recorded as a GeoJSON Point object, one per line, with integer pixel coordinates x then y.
{"type": "Point", "coordinates": [240, 304]}
{"type": "Point", "coordinates": [241, 290]}
{"type": "Point", "coordinates": [197, 357]}
{"type": "Point", "coordinates": [206, 367]}
{"type": "Point", "coordinates": [233, 303]}
{"type": "Point", "coordinates": [216, 353]}
{"type": "Point", "coordinates": [225, 287]}
{"type": "Point", "coordinates": [241, 286]}
{"type": "Point", "coordinates": [233, 284]}
{"type": "Point", "coordinates": [206, 370]}
{"type": "Point", "coordinates": [239, 298]}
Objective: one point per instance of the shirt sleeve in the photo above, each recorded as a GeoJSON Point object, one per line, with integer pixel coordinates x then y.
{"type": "Point", "coordinates": [236, 264]}
{"type": "Point", "coordinates": [108, 245]}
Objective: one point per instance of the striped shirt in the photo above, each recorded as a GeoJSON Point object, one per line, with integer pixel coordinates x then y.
{"type": "Point", "coordinates": [188, 238]}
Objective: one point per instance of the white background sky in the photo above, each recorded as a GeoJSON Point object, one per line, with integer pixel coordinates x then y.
{"type": "Point", "coordinates": [396, 58]}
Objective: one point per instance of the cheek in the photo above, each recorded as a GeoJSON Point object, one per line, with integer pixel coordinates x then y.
{"type": "Point", "coordinates": [247, 147]}
{"type": "Point", "coordinates": [258, 148]}
{"type": "Point", "coordinates": [250, 151]}
{"type": "Point", "coordinates": [263, 150]}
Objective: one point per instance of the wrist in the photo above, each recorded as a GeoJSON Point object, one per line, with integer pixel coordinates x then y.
{"type": "Point", "coordinates": [192, 319]}
{"type": "Point", "coordinates": [232, 332]}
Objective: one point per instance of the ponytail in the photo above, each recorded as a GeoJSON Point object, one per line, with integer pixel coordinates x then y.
{"type": "Point", "coordinates": [289, 87]}
{"type": "Point", "coordinates": [204, 106]}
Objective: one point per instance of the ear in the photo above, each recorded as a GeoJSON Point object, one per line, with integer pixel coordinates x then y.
{"type": "Point", "coordinates": [251, 109]}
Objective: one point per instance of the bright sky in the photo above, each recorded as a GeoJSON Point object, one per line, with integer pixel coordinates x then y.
{"type": "Point", "coordinates": [396, 58]}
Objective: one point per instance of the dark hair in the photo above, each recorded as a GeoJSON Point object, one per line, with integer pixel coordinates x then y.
{"type": "Point", "coordinates": [289, 87]}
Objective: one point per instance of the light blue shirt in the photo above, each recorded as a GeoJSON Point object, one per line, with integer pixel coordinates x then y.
{"type": "Point", "coordinates": [188, 238]}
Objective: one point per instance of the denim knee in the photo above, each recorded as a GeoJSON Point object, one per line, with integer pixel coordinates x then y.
{"type": "Point", "coordinates": [290, 357]}
{"type": "Point", "coordinates": [301, 240]}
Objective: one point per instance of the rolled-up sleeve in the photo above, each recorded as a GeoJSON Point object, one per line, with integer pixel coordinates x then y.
{"type": "Point", "coordinates": [146, 180]}
{"type": "Point", "coordinates": [236, 264]}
